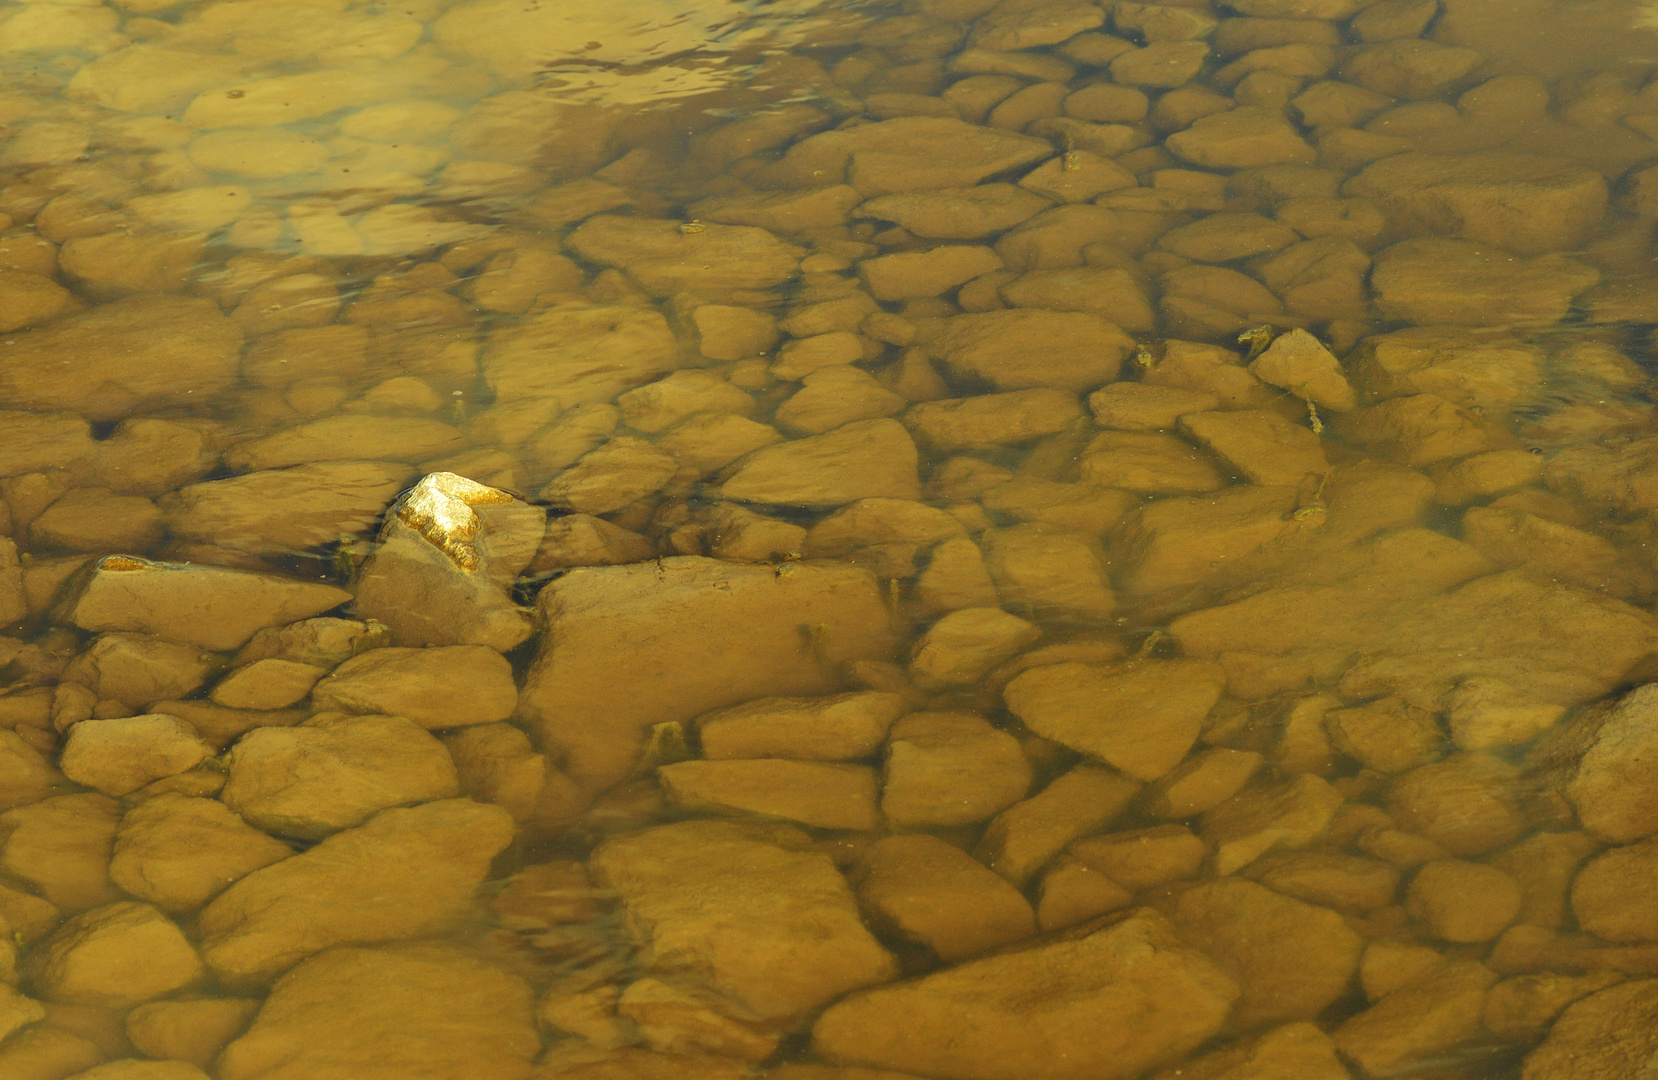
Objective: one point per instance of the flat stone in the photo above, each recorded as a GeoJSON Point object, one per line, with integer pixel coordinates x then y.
{"type": "Point", "coordinates": [1519, 202]}
{"type": "Point", "coordinates": [266, 684]}
{"type": "Point", "coordinates": [689, 635]}
{"type": "Point", "coordinates": [667, 258]}
{"type": "Point", "coordinates": [285, 511]}
{"type": "Point", "coordinates": [1021, 349]}
{"type": "Point", "coordinates": [1182, 541]}
{"type": "Point", "coordinates": [116, 957]}
{"type": "Point", "coordinates": [1261, 445]}
{"type": "Point", "coordinates": [1300, 1050]}
{"type": "Point", "coordinates": [355, 887]}
{"type": "Point", "coordinates": [333, 772]}
{"type": "Point", "coordinates": [25, 776]}
{"type": "Point", "coordinates": [956, 213]}
{"type": "Point", "coordinates": [660, 405]}
{"type": "Point", "coordinates": [1420, 1020]}
{"type": "Point", "coordinates": [1248, 137]}
{"type": "Point", "coordinates": [1225, 237]}
{"type": "Point", "coordinates": [834, 396]}
{"type": "Point", "coordinates": [864, 459]}
{"type": "Point", "coordinates": [818, 795]}
{"type": "Point", "coordinates": [950, 769]}
{"type": "Point", "coordinates": [925, 891]}
{"type": "Point", "coordinates": [1609, 784]}
{"type": "Point", "coordinates": [730, 903]}
{"type": "Point", "coordinates": [1141, 718]}
{"type": "Point", "coordinates": [1290, 815]}
{"type": "Point", "coordinates": [445, 687]}
{"type": "Point", "coordinates": [991, 420]}
{"type": "Point", "coordinates": [34, 442]}
{"type": "Point", "coordinates": [910, 275]}
{"type": "Point", "coordinates": [191, 1030]}
{"type": "Point", "coordinates": [1027, 835]}
{"type": "Point", "coordinates": [198, 605]}
{"type": "Point", "coordinates": [911, 153]}
{"type": "Point", "coordinates": [1110, 292]}
{"type": "Point", "coordinates": [622, 471]}
{"type": "Point", "coordinates": [1438, 281]}
{"type": "Point", "coordinates": [96, 519]}
{"type": "Point", "coordinates": [178, 852]}
{"type": "Point", "coordinates": [841, 727]}
{"type": "Point", "coordinates": [136, 669]}
{"type": "Point", "coordinates": [369, 438]}
{"type": "Point", "coordinates": [134, 351]}
{"type": "Point", "coordinates": [780, 212]}
{"type": "Point", "coordinates": [961, 648]}
{"type": "Point", "coordinates": [1291, 959]}
{"type": "Point", "coordinates": [575, 353]}
{"type": "Point", "coordinates": [1147, 463]}
{"type": "Point", "coordinates": [1041, 569]}
{"type": "Point", "coordinates": [117, 757]}
{"type": "Point", "coordinates": [1410, 68]}
{"type": "Point", "coordinates": [1100, 1004]}
{"type": "Point", "coordinates": [61, 847]}
{"type": "Point", "coordinates": [424, 1007]}
{"type": "Point", "coordinates": [1612, 895]}
{"type": "Point", "coordinates": [1614, 1031]}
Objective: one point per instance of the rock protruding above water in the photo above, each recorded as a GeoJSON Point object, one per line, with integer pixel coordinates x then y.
{"type": "Point", "coordinates": [208, 606]}
{"type": "Point", "coordinates": [1103, 1003]}
{"type": "Point", "coordinates": [684, 636]}
{"type": "Point", "coordinates": [754, 911]}
{"type": "Point", "coordinates": [444, 563]}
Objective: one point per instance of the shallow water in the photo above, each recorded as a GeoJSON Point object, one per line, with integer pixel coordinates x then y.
{"type": "Point", "coordinates": [958, 539]}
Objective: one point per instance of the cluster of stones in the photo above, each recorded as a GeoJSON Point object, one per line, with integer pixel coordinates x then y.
{"type": "Point", "coordinates": [845, 442]}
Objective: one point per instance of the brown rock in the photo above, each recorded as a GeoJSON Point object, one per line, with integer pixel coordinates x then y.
{"type": "Point", "coordinates": [282, 511]}
{"type": "Point", "coordinates": [1038, 568]}
{"type": "Point", "coordinates": [1263, 446]}
{"type": "Point", "coordinates": [689, 635]}
{"type": "Point", "coordinates": [1612, 783]}
{"type": "Point", "coordinates": [574, 354]}
{"type": "Point", "coordinates": [923, 890]}
{"type": "Point", "coordinates": [192, 1030]}
{"type": "Point", "coordinates": [950, 769]}
{"type": "Point", "coordinates": [1141, 718]}
{"type": "Point", "coordinates": [842, 727]}
{"type": "Point", "coordinates": [1463, 901]}
{"type": "Point", "coordinates": [735, 905]}
{"type": "Point", "coordinates": [444, 687]}
{"type": "Point", "coordinates": [179, 852]}
{"type": "Point", "coordinates": [61, 846]}
{"type": "Point", "coordinates": [136, 350]}
{"type": "Point", "coordinates": [819, 795]}
{"type": "Point", "coordinates": [1020, 349]}
{"type": "Point", "coordinates": [333, 772]}
{"type": "Point", "coordinates": [117, 757]}
{"type": "Point", "coordinates": [1420, 1020]}
{"type": "Point", "coordinates": [1614, 897]}
{"type": "Point", "coordinates": [116, 956]}
{"type": "Point", "coordinates": [356, 887]}
{"type": "Point", "coordinates": [1606, 1034]}
{"type": "Point", "coordinates": [1290, 815]}
{"type": "Point", "coordinates": [1434, 281]}
{"type": "Point", "coordinates": [1300, 1050]}
{"type": "Point", "coordinates": [865, 459]}
{"type": "Point", "coordinates": [1028, 834]}
{"type": "Point", "coordinates": [667, 259]}
{"type": "Point", "coordinates": [1143, 859]}
{"type": "Point", "coordinates": [422, 1007]}
{"type": "Point", "coordinates": [1102, 1003]}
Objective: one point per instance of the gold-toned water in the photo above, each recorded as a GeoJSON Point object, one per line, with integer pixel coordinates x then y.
{"type": "Point", "coordinates": [1023, 540]}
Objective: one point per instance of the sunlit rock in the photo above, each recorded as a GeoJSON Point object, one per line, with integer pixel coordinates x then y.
{"type": "Point", "coordinates": [444, 563]}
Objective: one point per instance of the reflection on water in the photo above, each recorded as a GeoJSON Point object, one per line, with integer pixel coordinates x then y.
{"type": "Point", "coordinates": [957, 539]}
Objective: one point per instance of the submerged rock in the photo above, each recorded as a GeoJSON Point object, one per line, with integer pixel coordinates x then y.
{"type": "Point", "coordinates": [197, 605]}
{"type": "Point", "coordinates": [376, 1014]}
{"type": "Point", "coordinates": [687, 635]}
{"type": "Point", "coordinates": [1101, 1003]}
{"type": "Point", "coordinates": [444, 687]}
{"type": "Point", "coordinates": [755, 913]}
{"type": "Point", "coordinates": [444, 562]}
{"type": "Point", "coordinates": [403, 874]}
